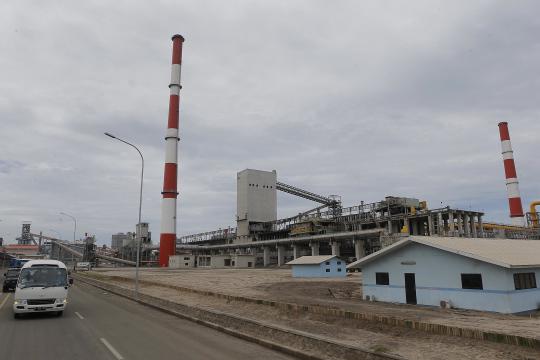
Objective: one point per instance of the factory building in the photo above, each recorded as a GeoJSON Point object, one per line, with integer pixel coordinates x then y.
{"type": "Point", "coordinates": [23, 250]}
{"type": "Point", "coordinates": [118, 240]}
{"type": "Point", "coordinates": [480, 274]}
{"type": "Point", "coordinates": [318, 266]}
{"type": "Point", "coordinates": [225, 261]}
{"type": "Point", "coordinates": [124, 244]}
{"type": "Point", "coordinates": [256, 202]}
{"type": "Point", "coordinates": [328, 229]}
{"type": "Point", "coordinates": [182, 261]}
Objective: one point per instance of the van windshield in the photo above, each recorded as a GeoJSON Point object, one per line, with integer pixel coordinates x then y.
{"type": "Point", "coordinates": [42, 276]}
{"type": "Point", "coordinates": [13, 273]}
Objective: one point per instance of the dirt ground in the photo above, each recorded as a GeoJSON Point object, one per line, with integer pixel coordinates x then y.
{"type": "Point", "coordinates": [277, 284]}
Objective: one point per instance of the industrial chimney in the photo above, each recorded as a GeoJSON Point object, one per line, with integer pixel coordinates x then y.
{"type": "Point", "coordinates": [512, 184]}
{"type": "Point", "coordinates": [167, 240]}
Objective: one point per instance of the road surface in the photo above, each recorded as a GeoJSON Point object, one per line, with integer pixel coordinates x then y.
{"type": "Point", "coordinates": [98, 325]}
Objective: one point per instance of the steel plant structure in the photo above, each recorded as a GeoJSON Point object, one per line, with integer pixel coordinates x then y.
{"type": "Point", "coordinates": [512, 183]}
{"type": "Point", "coordinates": [167, 238]}
{"type": "Point", "coordinates": [351, 232]}
{"type": "Point", "coordinates": [354, 231]}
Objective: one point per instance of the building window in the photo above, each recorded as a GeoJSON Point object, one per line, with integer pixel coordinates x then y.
{"type": "Point", "coordinates": [328, 263]}
{"type": "Point", "coordinates": [525, 281]}
{"type": "Point", "coordinates": [339, 269]}
{"type": "Point", "coordinates": [327, 270]}
{"type": "Point", "coordinates": [186, 258]}
{"type": "Point", "coordinates": [339, 262]}
{"type": "Point", "coordinates": [250, 264]}
{"type": "Point", "coordinates": [232, 263]}
{"type": "Point", "coordinates": [382, 278]}
{"type": "Point", "coordinates": [471, 281]}
{"type": "Point", "coordinates": [227, 262]}
{"type": "Point", "coordinates": [186, 264]}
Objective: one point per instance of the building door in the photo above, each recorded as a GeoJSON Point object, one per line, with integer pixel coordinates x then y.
{"type": "Point", "coordinates": [410, 288]}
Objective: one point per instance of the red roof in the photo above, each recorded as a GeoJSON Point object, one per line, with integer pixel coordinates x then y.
{"type": "Point", "coordinates": [17, 246]}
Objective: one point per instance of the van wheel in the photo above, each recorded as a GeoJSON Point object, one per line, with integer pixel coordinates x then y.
{"type": "Point", "coordinates": [59, 313]}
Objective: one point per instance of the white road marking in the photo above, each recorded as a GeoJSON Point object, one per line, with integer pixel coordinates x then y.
{"type": "Point", "coordinates": [79, 315]}
{"type": "Point", "coordinates": [4, 301]}
{"type": "Point", "coordinates": [111, 349]}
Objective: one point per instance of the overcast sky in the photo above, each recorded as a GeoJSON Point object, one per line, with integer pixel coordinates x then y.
{"type": "Point", "coordinates": [358, 98]}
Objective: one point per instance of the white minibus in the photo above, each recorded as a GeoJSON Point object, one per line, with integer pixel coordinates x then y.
{"type": "Point", "coordinates": [42, 287]}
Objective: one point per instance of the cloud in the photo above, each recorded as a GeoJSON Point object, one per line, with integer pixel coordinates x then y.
{"type": "Point", "coordinates": [361, 99]}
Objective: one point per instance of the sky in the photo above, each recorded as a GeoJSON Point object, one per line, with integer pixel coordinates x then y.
{"type": "Point", "coordinates": [362, 99]}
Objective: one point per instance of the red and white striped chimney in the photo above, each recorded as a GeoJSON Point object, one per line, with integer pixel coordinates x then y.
{"type": "Point", "coordinates": [512, 184]}
{"type": "Point", "coordinates": [167, 240]}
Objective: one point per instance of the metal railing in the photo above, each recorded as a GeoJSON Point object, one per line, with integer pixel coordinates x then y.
{"type": "Point", "coordinates": [221, 234]}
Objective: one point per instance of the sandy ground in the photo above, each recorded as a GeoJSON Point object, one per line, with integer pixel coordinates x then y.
{"type": "Point", "coordinates": [277, 284]}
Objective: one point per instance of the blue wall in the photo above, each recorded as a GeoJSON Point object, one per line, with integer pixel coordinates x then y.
{"type": "Point", "coordinates": [319, 270]}
{"type": "Point", "coordinates": [438, 277]}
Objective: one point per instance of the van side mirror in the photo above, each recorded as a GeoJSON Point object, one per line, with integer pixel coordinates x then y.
{"type": "Point", "coordinates": [70, 281]}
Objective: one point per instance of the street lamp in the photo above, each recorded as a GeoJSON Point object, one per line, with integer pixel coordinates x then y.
{"type": "Point", "coordinates": [75, 222]}
{"type": "Point", "coordinates": [140, 207]}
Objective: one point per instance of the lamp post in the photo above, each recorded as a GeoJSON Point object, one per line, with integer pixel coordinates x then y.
{"type": "Point", "coordinates": [59, 238]}
{"type": "Point", "coordinates": [138, 241]}
{"type": "Point", "coordinates": [75, 222]}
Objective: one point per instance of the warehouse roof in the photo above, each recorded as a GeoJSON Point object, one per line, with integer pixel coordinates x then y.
{"type": "Point", "coordinates": [311, 260]}
{"type": "Point", "coordinates": [506, 253]}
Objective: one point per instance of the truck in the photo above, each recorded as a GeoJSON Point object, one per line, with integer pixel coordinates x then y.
{"type": "Point", "coordinates": [42, 287]}
{"type": "Point", "coordinates": [10, 279]}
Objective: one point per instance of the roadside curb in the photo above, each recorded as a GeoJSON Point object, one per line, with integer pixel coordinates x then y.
{"type": "Point", "coordinates": [433, 328]}
{"type": "Point", "coordinates": [291, 342]}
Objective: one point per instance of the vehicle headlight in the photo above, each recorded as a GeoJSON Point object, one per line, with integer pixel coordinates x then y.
{"type": "Point", "coordinates": [20, 302]}
{"type": "Point", "coordinates": [64, 301]}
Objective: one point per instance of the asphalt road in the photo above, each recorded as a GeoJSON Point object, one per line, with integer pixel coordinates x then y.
{"type": "Point", "coordinates": [99, 325]}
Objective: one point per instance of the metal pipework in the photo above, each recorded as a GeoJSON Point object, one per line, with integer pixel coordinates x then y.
{"type": "Point", "coordinates": [167, 239]}
{"type": "Point", "coordinates": [512, 183]}
{"type": "Point", "coordinates": [534, 216]}
{"type": "Point", "coordinates": [79, 254]}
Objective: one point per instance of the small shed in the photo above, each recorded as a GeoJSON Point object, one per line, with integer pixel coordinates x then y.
{"type": "Point", "coordinates": [243, 260]}
{"type": "Point", "coordinates": [496, 275]}
{"type": "Point", "coordinates": [318, 266]}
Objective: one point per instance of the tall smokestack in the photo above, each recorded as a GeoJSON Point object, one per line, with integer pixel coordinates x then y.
{"type": "Point", "coordinates": [167, 240]}
{"type": "Point", "coordinates": [512, 184]}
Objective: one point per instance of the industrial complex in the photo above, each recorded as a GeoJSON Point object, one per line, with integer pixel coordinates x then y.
{"type": "Point", "coordinates": [259, 238]}
{"type": "Point", "coordinates": [343, 279]}
{"type": "Point", "coordinates": [329, 228]}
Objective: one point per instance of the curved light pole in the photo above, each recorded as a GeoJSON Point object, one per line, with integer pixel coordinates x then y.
{"type": "Point", "coordinates": [138, 241]}
{"type": "Point", "coordinates": [75, 221]}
